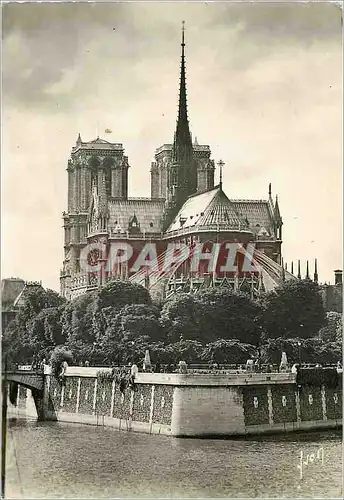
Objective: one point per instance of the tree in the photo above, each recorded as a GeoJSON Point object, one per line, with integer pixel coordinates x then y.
{"type": "Point", "coordinates": [140, 320]}
{"type": "Point", "coordinates": [179, 318]}
{"type": "Point", "coordinates": [227, 352]}
{"type": "Point", "coordinates": [130, 331]}
{"type": "Point", "coordinates": [25, 336]}
{"type": "Point", "coordinates": [45, 330]}
{"type": "Point", "coordinates": [118, 293]}
{"type": "Point", "coordinates": [294, 309]}
{"type": "Point", "coordinates": [271, 351]}
{"type": "Point", "coordinates": [58, 356]}
{"type": "Point", "coordinates": [78, 319]}
{"type": "Point", "coordinates": [216, 313]}
{"type": "Point", "coordinates": [332, 331]}
{"type": "Point", "coordinates": [311, 350]}
{"type": "Point", "coordinates": [227, 314]}
{"type": "Point", "coordinates": [186, 350]}
{"type": "Point", "coordinates": [35, 300]}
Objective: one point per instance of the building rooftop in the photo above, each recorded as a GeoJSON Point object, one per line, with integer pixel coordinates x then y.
{"type": "Point", "coordinates": [210, 209]}
{"type": "Point", "coordinates": [97, 144]}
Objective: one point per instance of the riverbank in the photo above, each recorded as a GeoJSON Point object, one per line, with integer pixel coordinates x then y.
{"type": "Point", "coordinates": [191, 405]}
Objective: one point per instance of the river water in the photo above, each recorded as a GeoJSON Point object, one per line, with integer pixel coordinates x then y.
{"type": "Point", "coordinates": [60, 460]}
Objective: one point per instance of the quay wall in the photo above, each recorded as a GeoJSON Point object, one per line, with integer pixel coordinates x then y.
{"type": "Point", "coordinates": [204, 405]}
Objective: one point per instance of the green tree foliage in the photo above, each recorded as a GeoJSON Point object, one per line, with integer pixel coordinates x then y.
{"type": "Point", "coordinates": [228, 352]}
{"type": "Point", "coordinates": [35, 328]}
{"type": "Point", "coordinates": [140, 320]}
{"type": "Point", "coordinates": [294, 309]}
{"type": "Point", "coordinates": [189, 351]}
{"type": "Point", "coordinates": [226, 314]}
{"type": "Point", "coordinates": [117, 294]}
{"type": "Point", "coordinates": [78, 319]}
{"type": "Point", "coordinates": [45, 329]}
{"type": "Point", "coordinates": [117, 323]}
{"type": "Point", "coordinates": [179, 318]}
{"type": "Point", "coordinates": [311, 350]}
{"type": "Point", "coordinates": [271, 351]}
{"type": "Point", "coordinates": [130, 330]}
{"type": "Point", "coordinates": [217, 313]}
{"type": "Point", "coordinates": [332, 331]}
{"type": "Point", "coordinates": [58, 356]}
{"type": "Point", "coordinates": [37, 299]}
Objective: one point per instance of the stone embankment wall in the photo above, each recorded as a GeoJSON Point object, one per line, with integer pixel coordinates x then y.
{"type": "Point", "coordinates": [193, 404]}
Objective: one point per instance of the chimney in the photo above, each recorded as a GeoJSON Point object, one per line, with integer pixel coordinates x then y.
{"type": "Point", "coordinates": [338, 277]}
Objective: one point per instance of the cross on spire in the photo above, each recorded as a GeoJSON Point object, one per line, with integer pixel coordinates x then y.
{"type": "Point", "coordinates": [221, 164]}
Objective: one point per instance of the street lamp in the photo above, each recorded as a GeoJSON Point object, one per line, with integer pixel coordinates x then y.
{"type": "Point", "coordinates": [299, 344]}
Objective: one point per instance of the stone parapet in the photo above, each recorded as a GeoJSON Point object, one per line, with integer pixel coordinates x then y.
{"type": "Point", "coordinates": [204, 405]}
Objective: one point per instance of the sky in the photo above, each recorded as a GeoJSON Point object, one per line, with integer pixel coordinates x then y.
{"type": "Point", "coordinates": [264, 91]}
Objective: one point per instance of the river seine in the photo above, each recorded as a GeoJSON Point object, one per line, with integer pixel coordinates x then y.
{"type": "Point", "coordinates": [57, 460]}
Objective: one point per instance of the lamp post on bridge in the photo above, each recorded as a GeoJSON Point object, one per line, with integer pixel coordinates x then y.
{"type": "Point", "coordinates": [300, 357]}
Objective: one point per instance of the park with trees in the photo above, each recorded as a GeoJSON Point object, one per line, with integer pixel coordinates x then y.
{"type": "Point", "coordinates": [117, 323]}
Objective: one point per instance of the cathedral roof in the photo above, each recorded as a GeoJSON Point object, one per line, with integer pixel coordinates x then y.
{"type": "Point", "coordinates": [210, 210]}
{"type": "Point", "coordinates": [10, 289]}
{"type": "Point", "coordinates": [99, 141]}
{"type": "Point", "coordinates": [97, 144]}
{"type": "Point", "coordinates": [14, 290]}
{"type": "Point", "coordinates": [29, 285]}
{"type": "Point", "coordinates": [259, 215]}
{"type": "Point", "coordinates": [147, 213]}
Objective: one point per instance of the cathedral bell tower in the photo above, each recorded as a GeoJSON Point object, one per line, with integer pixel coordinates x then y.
{"type": "Point", "coordinates": [97, 174]}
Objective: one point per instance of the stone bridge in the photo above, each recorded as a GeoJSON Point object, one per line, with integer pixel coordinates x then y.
{"type": "Point", "coordinates": [29, 379]}
{"type": "Point", "coordinates": [34, 380]}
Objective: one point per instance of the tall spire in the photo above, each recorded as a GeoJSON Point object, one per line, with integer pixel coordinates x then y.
{"type": "Point", "coordinates": [299, 269]}
{"type": "Point", "coordinates": [307, 271]}
{"type": "Point", "coordinates": [182, 174]}
{"type": "Point", "coordinates": [182, 148]}
{"type": "Point", "coordinates": [316, 277]}
{"type": "Point", "coordinates": [292, 267]}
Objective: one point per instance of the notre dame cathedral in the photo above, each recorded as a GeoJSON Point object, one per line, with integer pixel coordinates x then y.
{"type": "Point", "coordinates": [185, 205]}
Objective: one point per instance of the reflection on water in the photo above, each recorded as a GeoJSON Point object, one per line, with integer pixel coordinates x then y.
{"type": "Point", "coordinates": [67, 460]}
